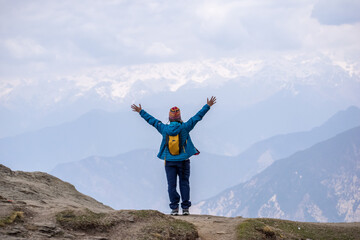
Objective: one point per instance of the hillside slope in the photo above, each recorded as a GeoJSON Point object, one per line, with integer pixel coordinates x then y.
{"type": "Point", "coordinates": [263, 153]}
{"type": "Point", "coordinates": [320, 184]}
{"type": "Point", "coordinates": [39, 206]}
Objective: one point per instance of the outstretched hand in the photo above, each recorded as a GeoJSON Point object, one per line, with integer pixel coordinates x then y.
{"type": "Point", "coordinates": [136, 108]}
{"type": "Point", "coordinates": [212, 101]}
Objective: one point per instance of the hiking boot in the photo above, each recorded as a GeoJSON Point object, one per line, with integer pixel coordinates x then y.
{"type": "Point", "coordinates": [174, 212]}
{"type": "Point", "coordinates": [186, 211]}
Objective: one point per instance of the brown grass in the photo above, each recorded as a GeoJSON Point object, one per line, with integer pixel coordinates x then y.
{"type": "Point", "coordinates": [264, 228]}
{"type": "Point", "coordinates": [84, 220]}
{"type": "Point", "coordinates": [140, 224]}
{"type": "Point", "coordinates": [15, 216]}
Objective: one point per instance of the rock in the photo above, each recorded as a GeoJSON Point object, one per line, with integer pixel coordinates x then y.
{"type": "Point", "coordinates": [49, 230]}
{"type": "Point", "coordinates": [131, 219]}
{"type": "Point", "coordinates": [68, 236]}
{"type": "Point", "coordinates": [46, 228]}
{"type": "Point", "coordinates": [5, 170]}
{"type": "Point", "coordinates": [218, 221]}
{"type": "Point", "coordinates": [16, 231]}
{"type": "Point", "coordinates": [80, 234]}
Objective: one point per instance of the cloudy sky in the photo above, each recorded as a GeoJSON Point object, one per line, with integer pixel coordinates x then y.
{"type": "Point", "coordinates": [40, 37]}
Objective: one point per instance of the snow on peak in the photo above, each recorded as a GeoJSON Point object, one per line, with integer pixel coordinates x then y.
{"type": "Point", "coordinates": [115, 84]}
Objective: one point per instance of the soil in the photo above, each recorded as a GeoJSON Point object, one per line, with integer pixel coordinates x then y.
{"type": "Point", "coordinates": [213, 227]}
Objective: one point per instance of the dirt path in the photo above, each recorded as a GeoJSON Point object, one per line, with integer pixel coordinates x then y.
{"type": "Point", "coordinates": [214, 227]}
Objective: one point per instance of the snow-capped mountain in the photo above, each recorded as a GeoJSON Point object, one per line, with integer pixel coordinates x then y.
{"type": "Point", "coordinates": [320, 184]}
{"type": "Point", "coordinates": [117, 85]}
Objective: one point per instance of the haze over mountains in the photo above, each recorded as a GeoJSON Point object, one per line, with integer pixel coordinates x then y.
{"type": "Point", "coordinates": [261, 154]}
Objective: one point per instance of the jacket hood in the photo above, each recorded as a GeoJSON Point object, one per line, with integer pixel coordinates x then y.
{"type": "Point", "coordinates": [174, 128]}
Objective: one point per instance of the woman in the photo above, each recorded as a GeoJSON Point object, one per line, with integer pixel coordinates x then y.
{"type": "Point", "coordinates": [176, 148]}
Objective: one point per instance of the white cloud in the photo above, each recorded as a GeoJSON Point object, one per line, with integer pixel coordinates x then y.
{"type": "Point", "coordinates": [214, 12]}
{"type": "Point", "coordinates": [159, 49]}
{"type": "Point", "coordinates": [337, 12]}
{"type": "Point", "coordinates": [67, 35]}
{"type": "Point", "coordinates": [24, 48]}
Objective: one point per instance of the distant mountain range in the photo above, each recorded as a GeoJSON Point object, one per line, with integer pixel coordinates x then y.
{"type": "Point", "coordinates": [101, 133]}
{"type": "Point", "coordinates": [141, 170]}
{"type": "Point", "coordinates": [137, 180]}
{"type": "Point", "coordinates": [263, 153]}
{"type": "Point", "coordinates": [96, 133]}
{"type": "Point", "coordinates": [112, 85]}
{"type": "Point", "coordinates": [278, 93]}
{"type": "Point", "coordinates": [320, 184]}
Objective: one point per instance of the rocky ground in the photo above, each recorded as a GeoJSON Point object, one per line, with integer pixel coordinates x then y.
{"type": "Point", "coordinates": [39, 206]}
{"type": "Point", "coordinates": [214, 227]}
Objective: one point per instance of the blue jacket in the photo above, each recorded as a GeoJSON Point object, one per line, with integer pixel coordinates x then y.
{"type": "Point", "coordinates": [175, 128]}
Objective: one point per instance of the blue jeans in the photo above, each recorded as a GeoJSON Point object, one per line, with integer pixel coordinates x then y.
{"type": "Point", "coordinates": [173, 170]}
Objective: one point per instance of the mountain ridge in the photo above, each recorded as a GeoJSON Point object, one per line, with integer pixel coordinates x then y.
{"type": "Point", "coordinates": [103, 134]}
{"type": "Point", "coordinates": [315, 189]}
{"type": "Point", "coordinates": [272, 149]}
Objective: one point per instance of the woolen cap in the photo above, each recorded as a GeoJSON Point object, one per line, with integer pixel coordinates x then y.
{"type": "Point", "coordinates": [174, 114]}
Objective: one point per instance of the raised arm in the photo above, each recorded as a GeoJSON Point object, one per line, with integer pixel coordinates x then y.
{"type": "Point", "coordinates": [190, 124]}
{"type": "Point", "coordinates": [150, 119]}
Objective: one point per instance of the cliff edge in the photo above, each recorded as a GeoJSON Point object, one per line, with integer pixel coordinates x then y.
{"type": "Point", "coordinates": [36, 205]}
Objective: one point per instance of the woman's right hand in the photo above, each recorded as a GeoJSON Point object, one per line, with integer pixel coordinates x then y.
{"type": "Point", "coordinates": [136, 108]}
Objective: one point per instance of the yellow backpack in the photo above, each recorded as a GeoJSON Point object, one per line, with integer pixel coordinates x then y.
{"type": "Point", "coordinates": [174, 144]}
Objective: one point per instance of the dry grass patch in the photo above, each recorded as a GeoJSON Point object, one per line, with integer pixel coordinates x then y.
{"type": "Point", "coordinates": [264, 228]}
{"type": "Point", "coordinates": [146, 214]}
{"type": "Point", "coordinates": [84, 220]}
{"type": "Point", "coordinates": [15, 216]}
{"type": "Point", "coordinates": [170, 229]}
{"type": "Point", "coordinates": [160, 226]}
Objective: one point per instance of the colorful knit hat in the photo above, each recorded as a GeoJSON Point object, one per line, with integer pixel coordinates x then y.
{"type": "Point", "coordinates": [174, 114]}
